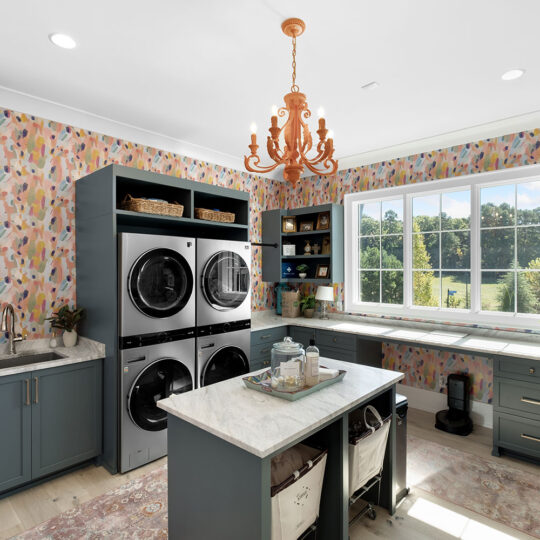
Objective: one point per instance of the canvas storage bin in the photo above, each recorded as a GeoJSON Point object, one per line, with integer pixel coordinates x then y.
{"type": "Point", "coordinates": [296, 477]}
{"type": "Point", "coordinates": [290, 304]}
{"type": "Point", "coordinates": [366, 451]}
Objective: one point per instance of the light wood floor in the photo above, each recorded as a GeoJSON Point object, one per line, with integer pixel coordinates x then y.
{"type": "Point", "coordinates": [411, 522]}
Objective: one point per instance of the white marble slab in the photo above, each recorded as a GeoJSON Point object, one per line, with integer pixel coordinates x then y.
{"type": "Point", "coordinates": [468, 343]}
{"type": "Point", "coordinates": [263, 424]}
{"type": "Point", "coordinates": [85, 350]}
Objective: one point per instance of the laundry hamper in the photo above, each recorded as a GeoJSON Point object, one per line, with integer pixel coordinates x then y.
{"type": "Point", "coordinates": [366, 451]}
{"type": "Point", "coordinates": [297, 478]}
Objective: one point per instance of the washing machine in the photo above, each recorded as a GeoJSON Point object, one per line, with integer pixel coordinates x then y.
{"type": "Point", "coordinates": [224, 282]}
{"type": "Point", "coordinates": [151, 369]}
{"type": "Point", "coordinates": [156, 275]}
{"type": "Point", "coordinates": [224, 353]}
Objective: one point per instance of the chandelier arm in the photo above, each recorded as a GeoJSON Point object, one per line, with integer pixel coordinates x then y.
{"type": "Point", "coordinates": [255, 167]}
{"type": "Point", "coordinates": [311, 164]}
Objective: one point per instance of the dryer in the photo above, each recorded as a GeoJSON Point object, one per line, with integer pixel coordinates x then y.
{"type": "Point", "coordinates": [151, 369]}
{"type": "Point", "coordinates": [223, 354]}
{"type": "Point", "coordinates": [156, 283]}
{"type": "Point", "coordinates": [224, 281]}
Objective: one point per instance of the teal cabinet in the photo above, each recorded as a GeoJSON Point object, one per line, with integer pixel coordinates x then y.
{"type": "Point", "coordinates": [51, 420]}
{"type": "Point", "coordinates": [329, 241]}
{"type": "Point", "coordinates": [66, 417]}
{"type": "Point", "coordinates": [261, 346]}
{"type": "Point", "coordinates": [15, 404]}
{"type": "Point", "coordinates": [337, 345]}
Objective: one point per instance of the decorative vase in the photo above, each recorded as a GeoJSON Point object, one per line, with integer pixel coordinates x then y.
{"type": "Point", "coordinates": [308, 313]}
{"type": "Point", "coordinates": [302, 275]}
{"type": "Point", "coordinates": [69, 338]}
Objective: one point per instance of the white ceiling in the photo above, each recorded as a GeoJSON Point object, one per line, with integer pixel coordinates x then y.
{"type": "Point", "coordinates": [201, 71]}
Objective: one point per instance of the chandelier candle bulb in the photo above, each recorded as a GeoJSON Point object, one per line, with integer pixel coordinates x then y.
{"type": "Point", "coordinates": [322, 123]}
{"type": "Point", "coordinates": [274, 121]}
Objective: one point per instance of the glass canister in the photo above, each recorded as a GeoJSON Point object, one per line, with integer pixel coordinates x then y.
{"type": "Point", "coordinates": [288, 362]}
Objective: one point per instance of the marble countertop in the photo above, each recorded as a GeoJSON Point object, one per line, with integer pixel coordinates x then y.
{"type": "Point", "coordinates": [262, 424]}
{"type": "Point", "coordinates": [481, 343]}
{"type": "Point", "coordinates": [85, 350]}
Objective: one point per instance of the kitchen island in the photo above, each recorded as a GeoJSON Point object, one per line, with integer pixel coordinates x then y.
{"type": "Point", "coordinates": [221, 440]}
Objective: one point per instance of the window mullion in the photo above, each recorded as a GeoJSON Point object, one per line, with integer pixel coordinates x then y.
{"type": "Point", "coordinates": [475, 250]}
{"type": "Point", "coordinates": [407, 251]}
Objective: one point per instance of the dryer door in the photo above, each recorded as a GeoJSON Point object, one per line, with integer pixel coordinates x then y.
{"type": "Point", "coordinates": [156, 381]}
{"type": "Point", "coordinates": [225, 280]}
{"type": "Point", "coordinates": [160, 283]}
{"type": "Point", "coordinates": [224, 364]}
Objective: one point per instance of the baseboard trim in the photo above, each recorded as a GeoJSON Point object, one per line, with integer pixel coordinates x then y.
{"type": "Point", "coordinates": [426, 400]}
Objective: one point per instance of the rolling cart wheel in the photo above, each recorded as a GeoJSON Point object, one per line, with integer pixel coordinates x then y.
{"type": "Point", "coordinates": [372, 514]}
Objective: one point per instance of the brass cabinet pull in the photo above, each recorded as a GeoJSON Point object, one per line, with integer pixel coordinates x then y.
{"type": "Point", "coordinates": [335, 340]}
{"type": "Point", "coordinates": [37, 390]}
{"type": "Point", "coordinates": [266, 337]}
{"type": "Point", "coordinates": [27, 382]}
{"type": "Point", "coordinates": [530, 438]}
{"type": "Point", "coordinates": [532, 371]}
{"type": "Point", "coordinates": [265, 351]}
{"type": "Point", "coordinates": [531, 401]}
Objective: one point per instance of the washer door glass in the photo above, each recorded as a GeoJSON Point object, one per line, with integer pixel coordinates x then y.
{"type": "Point", "coordinates": [225, 280]}
{"type": "Point", "coordinates": [160, 283]}
{"type": "Point", "coordinates": [224, 364]}
{"type": "Point", "coordinates": [157, 381]}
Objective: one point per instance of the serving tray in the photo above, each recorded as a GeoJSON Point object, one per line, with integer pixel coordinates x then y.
{"type": "Point", "coordinates": [262, 383]}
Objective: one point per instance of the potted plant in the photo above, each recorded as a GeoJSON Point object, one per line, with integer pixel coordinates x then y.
{"type": "Point", "coordinates": [67, 320]}
{"type": "Point", "coordinates": [302, 270]}
{"type": "Point", "coordinates": [307, 305]}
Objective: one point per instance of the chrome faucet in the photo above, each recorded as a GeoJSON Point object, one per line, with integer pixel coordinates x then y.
{"type": "Point", "coordinates": [8, 326]}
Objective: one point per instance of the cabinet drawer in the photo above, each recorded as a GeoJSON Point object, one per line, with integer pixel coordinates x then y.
{"type": "Point", "coordinates": [302, 335]}
{"type": "Point", "coordinates": [518, 368]}
{"type": "Point", "coordinates": [336, 339]}
{"type": "Point", "coordinates": [337, 354]}
{"type": "Point", "coordinates": [270, 335]}
{"type": "Point", "coordinates": [259, 363]}
{"type": "Point", "coordinates": [519, 434]}
{"type": "Point", "coordinates": [519, 396]}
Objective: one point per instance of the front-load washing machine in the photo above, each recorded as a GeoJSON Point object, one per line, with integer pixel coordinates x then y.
{"type": "Point", "coordinates": [156, 283]}
{"type": "Point", "coordinates": [224, 283]}
{"type": "Point", "coordinates": [151, 372]}
{"type": "Point", "coordinates": [224, 354]}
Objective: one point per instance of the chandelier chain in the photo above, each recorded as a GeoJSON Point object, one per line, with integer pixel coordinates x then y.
{"type": "Point", "coordinates": [294, 87]}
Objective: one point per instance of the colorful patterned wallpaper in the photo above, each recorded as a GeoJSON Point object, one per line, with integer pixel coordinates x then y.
{"type": "Point", "coordinates": [422, 367]}
{"type": "Point", "coordinates": [39, 162]}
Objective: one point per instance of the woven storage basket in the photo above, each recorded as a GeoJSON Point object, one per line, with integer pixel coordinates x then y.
{"type": "Point", "coordinates": [152, 207]}
{"type": "Point", "coordinates": [214, 215]}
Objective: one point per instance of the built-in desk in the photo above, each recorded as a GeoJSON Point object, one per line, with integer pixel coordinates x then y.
{"type": "Point", "coordinates": [221, 440]}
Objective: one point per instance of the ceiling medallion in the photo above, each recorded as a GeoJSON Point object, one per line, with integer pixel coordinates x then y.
{"type": "Point", "coordinates": [296, 134]}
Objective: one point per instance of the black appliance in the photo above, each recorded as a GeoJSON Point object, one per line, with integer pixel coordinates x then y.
{"type": "Point", "coordinates": [402, 406]}
{"type": "Point", "coordinates": [456, 418]}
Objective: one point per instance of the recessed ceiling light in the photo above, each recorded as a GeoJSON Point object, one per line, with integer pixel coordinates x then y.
{"type": "Point", "coordinates": [512, 74]}
{"type": "Point", "coordinates": [370, 86]}
{"type": "Point", "coordinates": [62, 40]}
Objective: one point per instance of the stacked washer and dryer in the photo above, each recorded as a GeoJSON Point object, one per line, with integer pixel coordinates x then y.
{"type": "Point", "coordinates": [185, 314]}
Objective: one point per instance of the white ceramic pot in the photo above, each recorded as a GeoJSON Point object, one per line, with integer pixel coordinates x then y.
{"type": "Point", "coordinates": [69, 338]}
{"type": "Point", "coordinates": [302, 275]}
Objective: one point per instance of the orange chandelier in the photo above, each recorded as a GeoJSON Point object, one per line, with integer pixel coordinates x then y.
{"type": "Point", "coordinates": [296, 134]}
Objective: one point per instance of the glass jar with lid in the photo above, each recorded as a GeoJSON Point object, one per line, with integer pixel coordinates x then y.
{"type": "Point", "coordinates": [288, 362]}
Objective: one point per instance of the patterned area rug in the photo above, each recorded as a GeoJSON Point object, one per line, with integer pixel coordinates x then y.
{"type": "Point", "coordinates": [138, 509]}
{"type": "Point", "coordinates": [491, 488]}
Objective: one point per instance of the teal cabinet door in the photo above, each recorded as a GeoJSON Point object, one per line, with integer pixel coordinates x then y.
{"type": "Point", "coordinates": [16, 413]}
{"type": "Point", "coordinates": [66, 416]}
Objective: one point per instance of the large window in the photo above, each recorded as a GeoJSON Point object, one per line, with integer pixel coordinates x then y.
{"type": "Point", "coordinates": [449, 249]}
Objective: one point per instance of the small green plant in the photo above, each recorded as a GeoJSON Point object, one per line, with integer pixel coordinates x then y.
{"type": "Point", "coordinates": [66, 319]}
{"type": "Point", "coordinates": [307, 302]}
{"type": "Point", "coordinates": [302, 268]}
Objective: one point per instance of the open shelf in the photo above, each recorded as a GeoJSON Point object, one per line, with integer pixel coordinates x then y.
{"type": "Point", "coordinates": [305, 233]}
{"type": "Point", "coordinates": [286, 257]}
{"type": "Point", "coordinates": [317, 281]}
{"type": "Point", "coordinates": [133, 217]}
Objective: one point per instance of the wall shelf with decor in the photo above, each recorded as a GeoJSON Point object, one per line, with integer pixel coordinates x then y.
{"type": "Point", "coordinates": [304, 225]}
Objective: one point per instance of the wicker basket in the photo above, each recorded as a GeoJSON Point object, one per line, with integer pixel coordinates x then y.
{"type": "Point", "coordinates": [214, 215]}
{"type": "Point", "coordinates": [152, 207]}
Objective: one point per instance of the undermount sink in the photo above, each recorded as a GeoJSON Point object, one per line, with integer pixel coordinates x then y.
{"type": "Point", "coordinates": [25, 359]}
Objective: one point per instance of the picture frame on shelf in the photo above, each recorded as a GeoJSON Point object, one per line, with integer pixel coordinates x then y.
{"type": "Point", "coordinates": [325, 246]}
{"type": "Point", "coordinates": [287, 270]}
{"type": "Point", "coordinates": [323, 221]}
{"type": "Point", "coordinates": [288, 224]}
{"type": "Point", "coordinates": [289, 250]}
{"type": "Point", "coordinates": [306, 226]}
{"type": "Point", "coordinates": [323, 271]}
